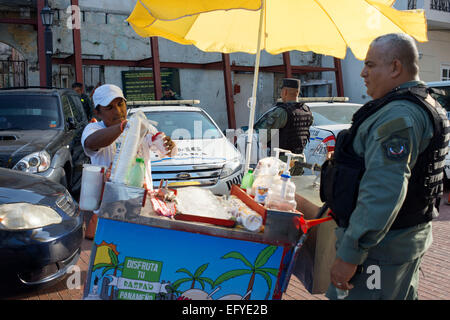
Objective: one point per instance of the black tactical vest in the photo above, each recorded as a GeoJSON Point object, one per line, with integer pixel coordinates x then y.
{"type": "Point", "coordinates": [295, 134]}
{"type": "Point", "coordinates": [341, 176]}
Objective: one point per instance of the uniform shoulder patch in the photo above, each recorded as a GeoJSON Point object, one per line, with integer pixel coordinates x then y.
{"type": "Point", "coordinates": [396, 148]}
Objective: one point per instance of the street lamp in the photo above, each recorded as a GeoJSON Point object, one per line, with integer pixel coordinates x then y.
{"type": "Point", "coordinates": [47, 21]}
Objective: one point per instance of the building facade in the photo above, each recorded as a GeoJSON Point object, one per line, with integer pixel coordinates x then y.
{"type": "Point", "coordinates": [434, 55]}
{"type": "Point", "coordinates": [93, 42]}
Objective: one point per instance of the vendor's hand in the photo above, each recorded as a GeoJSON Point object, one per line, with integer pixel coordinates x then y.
{"type": "Point", "coordinates": [169, 144]}
{"type": "Point", "coordinates": [341, 273]}
{"type": "Point", "coordinates": [330, 155]}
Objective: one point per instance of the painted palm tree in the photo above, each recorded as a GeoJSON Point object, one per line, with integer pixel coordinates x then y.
{"type": "Point", "coordinates": [253, 269]}
{"type": "Point", "coordinates": [112, 264]}
{"type": "Point", "coordinates": [196, 277]}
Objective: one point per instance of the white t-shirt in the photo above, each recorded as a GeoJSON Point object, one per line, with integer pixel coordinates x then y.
{"type": "Point", "coordinates": [103, 156]}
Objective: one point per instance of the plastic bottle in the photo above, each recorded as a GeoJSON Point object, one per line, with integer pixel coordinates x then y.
{"type": "Point", "coordinates": [281, 195]}
{"type": "Point", "coordinates": [137, 174]}
{"type": "Point", "coordinates": [247, 180]}
{"type": "Point", "coordinates": [261, 187]}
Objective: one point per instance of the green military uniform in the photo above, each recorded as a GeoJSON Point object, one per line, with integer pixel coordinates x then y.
{"type": "Point", "coordinates": [88, 106]}
{"type": "Point", "coordinates": [274, 120]}
{"type": "Point", "coordinates": [399, 125]}
{"type": "Point", "coordinates": [277, 119]}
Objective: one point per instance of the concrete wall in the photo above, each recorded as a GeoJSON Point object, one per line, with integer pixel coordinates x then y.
{"type": "Point", "coordinates": [354, 87]}
{"type": "Point", "coordinates": [434, 53]}
{"type": "Point", "coordinates": [23, 38]}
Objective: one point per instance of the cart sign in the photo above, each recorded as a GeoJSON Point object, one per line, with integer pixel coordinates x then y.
{"type": "Point", "coordinates": [128, 264]}
{"type": "Point", "coordinates": [139, 277]}
{"type": "Point", "coordinates": [138, 85]}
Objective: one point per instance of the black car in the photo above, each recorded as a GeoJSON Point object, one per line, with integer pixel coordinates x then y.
{"type": "Point", "coordinates": [40, 132]}
{"type": "Point", "coordinates": [41, 231]}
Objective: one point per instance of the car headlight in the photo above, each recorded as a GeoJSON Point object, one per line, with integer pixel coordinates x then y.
{"type": "Point", "coordinates": [35, 162]}
{"type": "Point", "coordinates": [231, 167]}
{"type": "Point", "coordinates": [19, 216]}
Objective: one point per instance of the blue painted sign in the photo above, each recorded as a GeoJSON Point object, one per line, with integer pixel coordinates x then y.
{"type": "Point", "coordinates": [139, 262]}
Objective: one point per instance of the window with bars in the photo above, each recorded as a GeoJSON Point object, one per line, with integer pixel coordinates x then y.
{"type": "Point", "coordinates": [12, 73]}
{"type": "Point", "coordinates": [440, 5]}
{"type": "Point", "coordinates": [65, 76]}
{"type": "Point", "coordinates": [412, 4]}
{"type": "Point", "coordinates": [92, 75]}
{"type": "Point", "coordinates": [445, 72]}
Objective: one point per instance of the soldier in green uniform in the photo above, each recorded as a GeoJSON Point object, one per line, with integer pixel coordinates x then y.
{"type": "Point", "coordinates": [85, 100]}
{"type": "Point", "coordinates": [384, 182]}
{"type": "Point", "coordinates": [291, 118]}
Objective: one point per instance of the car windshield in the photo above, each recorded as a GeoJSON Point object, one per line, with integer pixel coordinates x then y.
{"type": "Point", "coordinates": [29, 112]}
{"type": "Point", "coordinates": [333, 114]}
{"type": "Point", "coordinates": [184, 125]}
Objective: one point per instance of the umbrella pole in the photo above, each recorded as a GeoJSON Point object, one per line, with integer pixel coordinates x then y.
{"type": "Point", "coordinates": [251, 120]}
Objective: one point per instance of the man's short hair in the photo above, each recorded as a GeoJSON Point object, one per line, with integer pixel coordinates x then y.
{"type": "Point", "coordinates": [402, 47]}
{"type": "Point", "coordinates": [291, 83]}
{"type": "Point", "coordinates": [77, 85]}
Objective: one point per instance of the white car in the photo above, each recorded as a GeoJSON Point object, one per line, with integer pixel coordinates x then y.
{"type": "Point", "coordinates": [205, 157]}
{"type": "Point", "coordinates": [329, 119]}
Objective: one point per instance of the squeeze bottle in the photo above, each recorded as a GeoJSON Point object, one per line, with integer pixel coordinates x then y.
{"type": "Point", "coordinates": [137, 174]}
{"type": "Point", "coordinates": [247, 180]}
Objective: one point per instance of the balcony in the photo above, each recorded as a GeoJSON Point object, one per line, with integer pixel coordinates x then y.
{"type": "Point", "coordinates": [436, 11]}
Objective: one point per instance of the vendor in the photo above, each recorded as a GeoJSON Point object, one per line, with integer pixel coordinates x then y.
{"type": "Point", "coordinates": [99, 138]}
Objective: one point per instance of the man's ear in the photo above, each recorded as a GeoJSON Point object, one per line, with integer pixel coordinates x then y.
{"type": "Point", "coordinates": [97, 114]}
{"type": "Point", "coordinates": [396, 68]}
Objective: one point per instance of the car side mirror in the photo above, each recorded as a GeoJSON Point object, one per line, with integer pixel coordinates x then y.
{"type": "Point", "coordinates": [71, 123]}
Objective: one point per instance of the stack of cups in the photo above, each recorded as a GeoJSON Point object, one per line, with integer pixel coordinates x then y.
{"type": "Point", "coordinates": [91, 187]}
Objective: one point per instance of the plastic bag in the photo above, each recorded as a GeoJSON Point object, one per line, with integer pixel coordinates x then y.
{"type": "Point", "coordinates": [265, 171]}
{"type": "Point", "coordinates": [127, 147]}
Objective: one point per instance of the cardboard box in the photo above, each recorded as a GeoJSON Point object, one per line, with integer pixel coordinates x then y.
{"type": "Point", "coordinates": [317, 254]}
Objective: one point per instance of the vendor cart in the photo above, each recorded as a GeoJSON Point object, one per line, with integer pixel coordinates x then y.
{"type": "Point", "coordinates": [140, 255]}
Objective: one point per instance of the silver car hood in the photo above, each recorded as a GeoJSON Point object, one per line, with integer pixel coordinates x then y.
{"type": "Point", "coordinates": [202, 151]}
{"type": "Point", "coordinates": [334, 128]}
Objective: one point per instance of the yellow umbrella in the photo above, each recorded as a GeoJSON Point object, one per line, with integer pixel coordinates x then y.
{"type": "Point", "coordinates": [324, 26]}
{"type": "Point", "coordinates": [175, 9]}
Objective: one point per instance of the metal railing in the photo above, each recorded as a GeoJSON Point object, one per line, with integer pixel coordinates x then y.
{"type": "Point", "coordinates": [440, 5]}
{"type": "Point", "coordinates": [412, 4]}
{"type": "Point", "coordinates": [12, 73]}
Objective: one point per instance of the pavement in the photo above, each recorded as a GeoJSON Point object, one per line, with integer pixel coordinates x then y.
{"type": "Point", "coordinates": [434, 283]}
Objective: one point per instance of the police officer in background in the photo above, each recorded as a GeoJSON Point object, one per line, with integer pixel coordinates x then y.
{"type": "Point", "coordinates": [169, 94]}
{"type": "Point", "coordinates": [384, 181]}
{"type": "Point", "coordinates": [291, 118]}
{"type": "Point", "coordinates": [85, 100]}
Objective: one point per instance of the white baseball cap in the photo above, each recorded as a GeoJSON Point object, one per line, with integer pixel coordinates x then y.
{"type": "Point", "coordinates": [106, 93]}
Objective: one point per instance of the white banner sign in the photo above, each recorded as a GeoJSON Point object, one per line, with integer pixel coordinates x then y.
{"type": "Point", "coordinates": [139, 285]}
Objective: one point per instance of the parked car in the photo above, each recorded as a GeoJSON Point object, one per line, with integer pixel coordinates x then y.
{"type": "Point", "coordinates": [442, 95]}
{"type": "Point", "coordinates": [330, 117]}
{"type": "Point", "coordinates": [41, 231]}
{"type": "Point", "coordinates": [40, 132]}
{"type": "Point", "coordinates": [204, 156]}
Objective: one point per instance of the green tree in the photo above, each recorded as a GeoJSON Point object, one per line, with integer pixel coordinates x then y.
{"type": "Point", "coordinates": [253, 269]}
{"type": "Point", "coordinates": [114, 265]}
{"type": "Point", "coordinates": [196, 277]}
